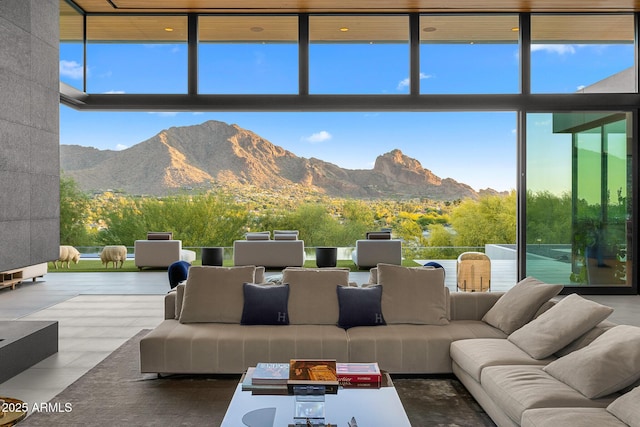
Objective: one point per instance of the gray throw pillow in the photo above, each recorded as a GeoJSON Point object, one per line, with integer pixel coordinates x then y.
{"type": "Point", "coordinates": [519, 304]}
{"type": "Point", "coordinates": [609, 364]}
{"type": "Point", "coordinates": [557, 327]}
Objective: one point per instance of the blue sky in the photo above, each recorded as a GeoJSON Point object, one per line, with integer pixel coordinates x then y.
{"type": "Point", "coordinates": [478, 149]}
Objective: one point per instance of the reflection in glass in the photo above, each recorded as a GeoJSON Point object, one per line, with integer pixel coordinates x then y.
{"type": "Point", "coordinates": [582, 53]}
{"type": "Point", "coordinates": [248, 54]}
{"type": "Point", "coordinates": [71, 46]}
{"type": "Point", "coordinates": [468, 54]}
{"type": "Point", "coordinates": [351, 54]}
{"type": "Point", "coordinates": [136, 54]}
{"type": "Point", "coordinates": [578, 199]}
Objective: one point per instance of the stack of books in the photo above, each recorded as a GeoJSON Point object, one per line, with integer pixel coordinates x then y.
{"type": "Point", "coordinates": [359, 375]}
{"type": "Point", "coordinates": [267, 378]}
{"type": "Point", "coordinates": [313, 373]}
{"type": "Point", "coordinates": [301, 375]}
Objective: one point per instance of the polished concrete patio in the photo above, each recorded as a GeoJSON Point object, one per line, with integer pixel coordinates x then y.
{"type": "Point", "coordinates": [98, 312]}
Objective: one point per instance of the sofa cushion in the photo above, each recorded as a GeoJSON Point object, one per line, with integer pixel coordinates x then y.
{"type": "Point", "coordinates": [265, 304]}
{"type": "Point", "coordinates": [412, 349]}
{"type": "Point", "coordinates": [414, 295]}
{"type": "Point", "coordinates": [626, 407]}
{"type": "Point", "coordinates": [160, 235]}
{"type": "Point", "coordinates": [557, 327]}
{"type": "Point", "coordinates": [360, 306]}
{"type": "Point", "coordinates": [519, 304]}
{"type": "Point", "coordinates": [214, 294]}
{"type": "Point", "coordinates": [285, 234]}
{"type": "Point", "coordinates": [258, 235]}
{"type": "Point", "coordinates": [517, 388]}
{"type": "Point", "coordinates": [473, 355]}
{"type": "Point", "coordinates": [569, 417]}
{"type": "Point", "coordinates": [313, 299]}
{"type": "Point", "coordinates": [609, 364]}
{"type": "Point", "coordinates": [378, 235]}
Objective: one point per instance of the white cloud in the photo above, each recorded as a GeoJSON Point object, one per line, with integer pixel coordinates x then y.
{"type": "Point", "coordinates": [114, 91]}
{"type": "Point", "coordinates": [317, 137]}
{"type": "Point", "coordinates": [404, 83]}
{"type": "Point", "coordinates": [71, 69]}
{"type": "Point", "coordinates": [580, 87]}
{"type": "Point", "coordinates": [120, 147]}
{"type": "Point", "coordinates": [560, 49]}
{"type": "Point", "coordinates": [165, 113]}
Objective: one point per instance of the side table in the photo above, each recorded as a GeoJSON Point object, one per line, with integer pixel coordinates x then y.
{"type": "Point", "coordinates": [326, 256]}
{"type": "Point", "coordinates": [212, 256]}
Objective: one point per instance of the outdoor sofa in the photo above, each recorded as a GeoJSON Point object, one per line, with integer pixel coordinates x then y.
{"type": "Point", "coordinates": [159, 250]}
{"type": "Point", "coordinates": [220, 322]}
{"type": "Point", "coordinates": [284, 250]}
{"type": "Point", "coordinates": [378, 247]}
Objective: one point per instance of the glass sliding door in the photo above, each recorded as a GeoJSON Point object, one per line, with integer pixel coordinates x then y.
{"type": "Point", "coordinates": [579, 198]}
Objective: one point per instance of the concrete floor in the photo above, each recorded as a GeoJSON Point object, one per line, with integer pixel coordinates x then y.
{"type": "Point", "coordinates": [98, 312]}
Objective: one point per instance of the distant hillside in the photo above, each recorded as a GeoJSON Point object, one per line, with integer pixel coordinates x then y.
{"type": "Point", "coordinates": [215, 153]}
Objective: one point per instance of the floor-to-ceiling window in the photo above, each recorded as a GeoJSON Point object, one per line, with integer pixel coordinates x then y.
{"type": "Point", "coordinates": [576, 180]}
{"type": "Point", "coordinates": [579, 198]}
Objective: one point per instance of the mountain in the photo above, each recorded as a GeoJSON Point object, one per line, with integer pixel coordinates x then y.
{"type": "Point", "coordinates": [218, 154]}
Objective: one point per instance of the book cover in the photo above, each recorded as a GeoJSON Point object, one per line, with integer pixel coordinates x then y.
{"type": "Point", "coordinates": [247, 385]}
{"type": "Point", "coordinates": [271, 373]}
{"type": "Point", "coordinates": [351, 373]}
{"type": "Point", "coordinates": [313, 372]}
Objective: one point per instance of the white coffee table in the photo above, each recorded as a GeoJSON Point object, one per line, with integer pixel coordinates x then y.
{"type": "Point", "coordinates": [370, 407]}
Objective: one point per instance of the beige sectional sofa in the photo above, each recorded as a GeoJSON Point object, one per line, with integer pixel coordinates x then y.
{"type": "Point", "coordinates": [407, 321]}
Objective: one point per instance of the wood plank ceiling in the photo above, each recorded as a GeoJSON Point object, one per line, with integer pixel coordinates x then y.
{"type": "Point", "coordinates": [165, 20]}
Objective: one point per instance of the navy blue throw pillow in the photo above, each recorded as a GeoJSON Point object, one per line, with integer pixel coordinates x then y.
{"type": "Point", "coordinates": [360, 306]}
{"type": "Point", "coordinates": [265, 304]}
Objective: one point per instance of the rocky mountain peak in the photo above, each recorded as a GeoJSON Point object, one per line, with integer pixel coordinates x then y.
{"type": "Point", "coordinates": [215, 153]}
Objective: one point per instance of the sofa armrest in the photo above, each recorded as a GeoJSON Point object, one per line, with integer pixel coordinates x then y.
{"type": "Point", "coordinates": [472, 305]}
{"type": "Point", "coordinates": [170, 304]}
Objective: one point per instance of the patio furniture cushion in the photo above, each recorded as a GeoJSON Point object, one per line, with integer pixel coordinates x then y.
{"type": "Point", "coordinates": [557, 327]}
{"type": "Point", "coordinates": [313, 299]}
{"type": "Point", "coordinates": [360, 306]}
{"type": "Point", "coordinates": [214, 294]}
{"type": "Point", "coordinates": [265, 304]}
{"type": "Point", "coordinates": [519, 304]}
{"type": "Point", "coordinates": [626, 407]}
{"type": "Point", "coordinates": [414, 295]}
{"type": "Point", "coordinates": [609, 364]}
{"type": "Point", "coordinates": [160, 235]}
{"type": "Point", "coordinates": [285, 235]}
{"type": "Point", "coordinates": [259, 235]}
{"type": "Point", "coordinates": [378, 235]}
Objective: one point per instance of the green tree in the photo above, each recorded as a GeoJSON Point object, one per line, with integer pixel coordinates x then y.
{"type": "Point", "coordinates": [491, 219]}
{"type": "Point", "coordinates": [74, 210]}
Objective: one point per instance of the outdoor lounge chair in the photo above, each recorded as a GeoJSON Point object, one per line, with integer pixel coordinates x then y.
{"type": "Point", "coordinates": [474, 272]}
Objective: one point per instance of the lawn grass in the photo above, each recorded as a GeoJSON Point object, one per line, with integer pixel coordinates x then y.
{"type": "Point", "coordinates": [96, 266]}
